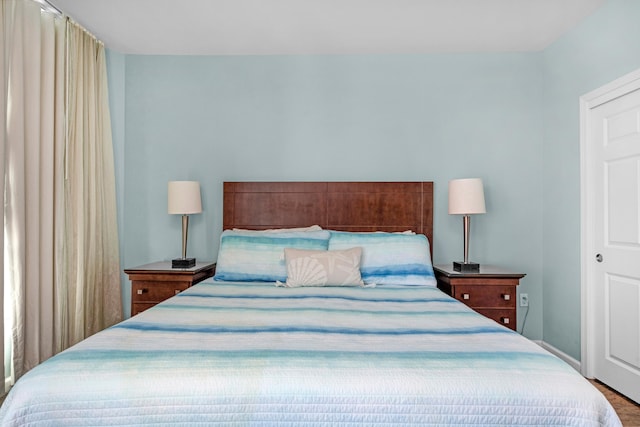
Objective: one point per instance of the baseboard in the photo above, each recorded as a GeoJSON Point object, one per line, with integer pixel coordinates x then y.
{"type": "Point", "coordinates": [575, 364]}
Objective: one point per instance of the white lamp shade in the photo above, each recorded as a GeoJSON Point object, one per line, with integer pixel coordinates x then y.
{"type": "Point", "coordinates": [184, 197]}
{"type": "Point", "coordinates": [466, 196]}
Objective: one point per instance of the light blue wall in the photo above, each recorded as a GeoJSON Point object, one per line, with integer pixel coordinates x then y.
{"type": "Point", "coordinates": [512, 119]}
{"type": "Point", "coordinates": [370, 117]}
{"type": "Point", "coordinates": [604, 47]}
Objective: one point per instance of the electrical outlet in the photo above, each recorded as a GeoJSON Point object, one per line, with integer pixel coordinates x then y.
{"type": "Point", "coordinates": [524, 300]}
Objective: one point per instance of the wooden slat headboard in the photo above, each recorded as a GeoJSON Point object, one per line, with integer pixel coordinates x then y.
{"type": "Point", "coordinates": [345, 206]}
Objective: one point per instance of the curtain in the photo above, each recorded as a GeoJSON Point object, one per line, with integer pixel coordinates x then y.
{"type": "Point", "coordinates": [5, 31]}
{"type": "Point", "coordinates": [90, 243]}
{"type": "Point", "coordinates": [28, 189]}
{"type": "Point", "coordinates": [61, 278]}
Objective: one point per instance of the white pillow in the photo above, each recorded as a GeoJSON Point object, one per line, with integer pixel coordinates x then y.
{"type": "Point", "coordinates": [323, 268]}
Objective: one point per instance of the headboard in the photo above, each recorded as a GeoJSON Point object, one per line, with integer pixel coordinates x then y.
{"type": "Point", "coordinates": [345, 206]}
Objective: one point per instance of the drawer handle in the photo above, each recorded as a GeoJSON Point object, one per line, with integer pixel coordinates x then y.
{"type": "Point", "coordinates": [466, 296]}
{"type": "Point", "coordinates": [506, 297]}
{"type": "Point", "coordinates": [142, 291]}
{"type": "Point", "coordinates": [504, 320]}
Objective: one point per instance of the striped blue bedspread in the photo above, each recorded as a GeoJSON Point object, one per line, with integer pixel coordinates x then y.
{"type": "Point", "coordinates": [247, 354]}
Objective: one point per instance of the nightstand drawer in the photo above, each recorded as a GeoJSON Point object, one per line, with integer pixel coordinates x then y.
{"type": "Point", "coordinates": [486, 296]}
{"type": "Point", "coordinates": [139, 307]}
{"type": "Point", "coordinates": [506, 317]}
{"type": "Point", "coordinates": [142, 291]}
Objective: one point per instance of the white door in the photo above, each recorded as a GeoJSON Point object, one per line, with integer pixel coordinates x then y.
{"type": "Point", "coordinates": [611, 186]}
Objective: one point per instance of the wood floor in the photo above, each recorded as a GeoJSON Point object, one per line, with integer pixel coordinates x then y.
{"type": "Point", "coordinates": [628, 411]}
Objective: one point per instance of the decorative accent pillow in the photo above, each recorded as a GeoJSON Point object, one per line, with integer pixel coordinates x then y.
{"type": "Point", "coordinates": [323, 268]}
{"type": "Point", "coordinates": [389, 258]}
{"type": "Point", "coordinates": [246, 256]}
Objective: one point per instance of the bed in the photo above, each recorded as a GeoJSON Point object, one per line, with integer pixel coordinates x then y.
{"type": "Point", "coordinates": [383, 347]}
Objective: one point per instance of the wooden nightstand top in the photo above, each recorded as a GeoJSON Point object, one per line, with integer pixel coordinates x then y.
{"type": "Point", "coordinates": [165, 267]}
{"type": "Point", "coordinates": [485, 271]}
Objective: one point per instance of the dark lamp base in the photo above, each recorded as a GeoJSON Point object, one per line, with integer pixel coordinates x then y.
{"type": "Point", "coordinates": [183, 263]}
{"type": "Point", "coordinates": [466, 267]}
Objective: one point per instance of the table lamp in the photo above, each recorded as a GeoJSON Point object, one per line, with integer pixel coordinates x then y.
{"type": "Point", "coordinates": [466, 197]}
{"type": "Point", "coordinates": [184, 199]}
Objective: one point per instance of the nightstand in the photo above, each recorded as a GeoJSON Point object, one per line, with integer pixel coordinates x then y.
{"type": "Point", "coordinates": [155, 282]}
{"type": "Point", "coordinates": [491, 292]}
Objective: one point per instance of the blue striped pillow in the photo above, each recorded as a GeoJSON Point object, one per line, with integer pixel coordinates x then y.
{"type": "Point", "coordinates": [389, 258]}
{"type": "Point", "coordinates": [246, 256]}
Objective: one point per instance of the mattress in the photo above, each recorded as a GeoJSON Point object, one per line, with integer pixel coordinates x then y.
{"type": "Point", "coordinates": [257, 354]}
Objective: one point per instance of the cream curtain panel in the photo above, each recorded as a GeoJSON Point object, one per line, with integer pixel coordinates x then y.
{"type": "Point", "coordinates": [61, 278]}
{"type": "Point", "coordinates": [28, 180]}
{"type": "Point", "coordinates": [89, 246]}
{"type": "Point", "coordinates": [4, 33]}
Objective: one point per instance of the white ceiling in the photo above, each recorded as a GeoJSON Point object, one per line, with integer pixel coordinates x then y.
{"type": "Point", "coordinates": [265, 27]}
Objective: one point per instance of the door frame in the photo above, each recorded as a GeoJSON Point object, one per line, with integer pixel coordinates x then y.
{"type": "Point", "coordinates": [619, 87]}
